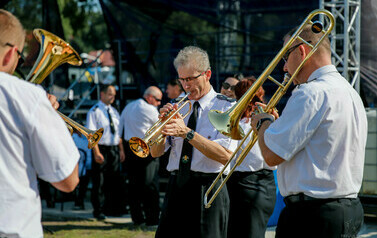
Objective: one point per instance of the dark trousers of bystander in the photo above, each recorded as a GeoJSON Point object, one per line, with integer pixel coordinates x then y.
{"type": "Point", "coordinates": [107, 183]}
{"type": "Point", "coordinates": [143, 187]}
{"type": "Point", "coordinates": [325, 218]}
{"type": "Point", "coordinates": [252, 201]}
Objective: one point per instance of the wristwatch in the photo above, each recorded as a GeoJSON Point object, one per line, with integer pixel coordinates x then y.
{"type": "Point", "coordinates": [260, 122]}
{"type": "Point", "coordinates": [190, 135]}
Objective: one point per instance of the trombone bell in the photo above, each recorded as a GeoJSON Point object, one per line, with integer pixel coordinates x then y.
{"type": "Point", "coordinates": [225, 124]}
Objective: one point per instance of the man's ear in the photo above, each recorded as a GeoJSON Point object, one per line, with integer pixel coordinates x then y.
{"type": "Point", "coordinates": [303, 51]}
{"type": "Point", "coordinates": [7, 57]}
{"type": "Point", "coordinates": [208, 74]}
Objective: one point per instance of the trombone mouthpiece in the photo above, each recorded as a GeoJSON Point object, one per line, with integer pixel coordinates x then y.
{"type": "Point", "coordinates": [317, 27]}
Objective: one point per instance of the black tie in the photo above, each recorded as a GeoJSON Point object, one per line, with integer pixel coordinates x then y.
{"type": "Point", "coordinates": [187, 149]}
{"type": "Point", "coordinates": [112, 128]}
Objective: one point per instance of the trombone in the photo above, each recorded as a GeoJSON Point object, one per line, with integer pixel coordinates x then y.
{"type": "Point", "coordinates": [140, 147]}
{"type": "Point", "coordinates": [228, 122]}
{"type": "Point", "coordinates": [54, 52]}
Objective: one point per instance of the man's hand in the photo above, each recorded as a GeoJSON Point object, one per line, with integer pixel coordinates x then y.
{"type": "Point", "coordinates": [176, 127]}
{"type": "Point", "coordinates": [273, 112]}
{"type": "Point", "coordinates": [122, 156]}
{"type": "Point", "coordinates": [53, 101]}
{"type": "Point", "coordinates": [99, 158]}
{"type": "Point", "coordinates": [256, 117]}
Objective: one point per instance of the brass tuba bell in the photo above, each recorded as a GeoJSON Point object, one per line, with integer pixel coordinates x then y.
{"type": "Point", "coordinates": [54, 52]}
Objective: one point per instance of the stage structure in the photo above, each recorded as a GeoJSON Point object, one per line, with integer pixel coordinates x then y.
{"type": "Point", "coordinates": [345, 41]}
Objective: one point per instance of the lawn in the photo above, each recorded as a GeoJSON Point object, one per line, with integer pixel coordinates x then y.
{"type": "Point", "coordinates": [93, 228]}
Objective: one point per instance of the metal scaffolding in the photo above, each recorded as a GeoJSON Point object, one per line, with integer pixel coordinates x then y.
{"type": "Point", "coordinates": [345, 41]}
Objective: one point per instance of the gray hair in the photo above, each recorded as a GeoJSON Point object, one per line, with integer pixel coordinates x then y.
{"type": "Point", "coordinates": [194, 57]}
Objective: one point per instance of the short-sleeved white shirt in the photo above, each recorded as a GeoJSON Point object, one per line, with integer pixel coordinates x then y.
{"type": "Point", "coordinates": [254, 160]}
{"type": "Point", "coordinates": [322, 136]}
{"type": "Point", "coordinates": [34, 141]}
{"type": "Point", "coordinates": [200, 163]}
{"type": "Point", "coordinates": [97, 117]}
{"type": "Point", "coordinates": [137, 117]}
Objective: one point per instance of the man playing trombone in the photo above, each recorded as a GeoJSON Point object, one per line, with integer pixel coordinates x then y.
{"type": "Point", "coordinates": [319, 144]}
{"type": "Point", "coordinates": [198, 153]}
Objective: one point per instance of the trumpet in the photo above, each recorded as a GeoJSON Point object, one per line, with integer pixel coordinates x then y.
{"type": "Point", "coordinates": [140, 147]}
{"type": "Point", "coordinates": [54, 52]}
{"type": "Point", "coordinates": [228, 122]}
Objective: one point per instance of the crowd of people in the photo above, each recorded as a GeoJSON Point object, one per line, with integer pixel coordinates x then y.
{"type": "Point", "coordinates": [317, 146]}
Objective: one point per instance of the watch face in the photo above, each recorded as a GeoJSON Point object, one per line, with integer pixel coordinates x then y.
{"type": "Point", "coordinates": [190, 135]}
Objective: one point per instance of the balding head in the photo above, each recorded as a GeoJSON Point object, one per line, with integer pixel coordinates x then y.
{"type": "Point", "coordinates": [11, 29]}
{"type": "Point", "coordinates": [153, 95]}
{"type": "Point", "coordinates": [12, 40]}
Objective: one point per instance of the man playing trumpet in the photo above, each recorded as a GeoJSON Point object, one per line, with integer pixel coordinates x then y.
{"type": "Point", "coordinates": [198, 153]}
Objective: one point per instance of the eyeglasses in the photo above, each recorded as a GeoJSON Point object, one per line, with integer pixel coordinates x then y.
{"type": "Point", "coordinates": [157, 99]}
{"type": "Point", "coordinates": [290, 50]}
{"type": "Point", "coordinates": [227, 86]}
{"type": "Point", "coordinates": [21, 59]}
{"type": "Point", "coordinates": [188, 79]}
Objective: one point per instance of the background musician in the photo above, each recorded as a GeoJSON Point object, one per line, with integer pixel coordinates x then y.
{"type": "Point", "coordinates": [107, 155]}
{"type": "Point", "coordinates": [34, 141]}
{"type": "Point", "coordinates": [251, 187]}
{"type": "Point", "coordinates": [136, 118]}
{"type": "Point", "coordinates": [319, 144]}
{"type": "Point", "coordinates": [198, 153]}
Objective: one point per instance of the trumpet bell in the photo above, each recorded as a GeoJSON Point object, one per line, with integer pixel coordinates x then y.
{"type": "Point", "coordinates": [139, 147]}
{"type": "Point", "coordinates": [225, 124]}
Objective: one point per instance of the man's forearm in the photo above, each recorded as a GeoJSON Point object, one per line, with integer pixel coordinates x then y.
{"type": "Point", "coordinates": [211, 149]}
{"type": "Point", "coordinates": [269, 156]}
{"type": "Point", "coordinates": [158, 149]}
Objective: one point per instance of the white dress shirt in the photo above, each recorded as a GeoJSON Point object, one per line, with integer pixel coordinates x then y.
{"type": "Point", "coordinates": [136, 118]}
{"type": "Point", "coordinates": [254, 160]}
{"type": "Point", "coordinates": [200, 163]}
{"type": "Point", "coordinates": [97, 117]}
{"type": "Point", "coordinates": [34, 141]}
{"type": "Point", "coordinates": [322, 136]}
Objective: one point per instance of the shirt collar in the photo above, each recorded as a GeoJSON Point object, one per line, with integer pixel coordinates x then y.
{"type": "Point", "coordinates": [103, 105]}
{"type": "Point", "coordinates": [206, 99]}
{"type": "Point", "coordinates": [321, 71]}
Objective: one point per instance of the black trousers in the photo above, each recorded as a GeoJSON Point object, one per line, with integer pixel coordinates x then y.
{"type": "Point", "coordinates": [143, 194]}
{"type": "Point", "coordinates": [184, 214]}
{"type": "Point", "coordinates": [107, 182]}
{"type": "Point", "coordinates": [325, 218]}
{"type": "Point", "coordinates": [252, 201]}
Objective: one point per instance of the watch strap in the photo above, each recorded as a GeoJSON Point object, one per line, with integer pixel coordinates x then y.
{"type": "Point", "coordinates": [260, 122]}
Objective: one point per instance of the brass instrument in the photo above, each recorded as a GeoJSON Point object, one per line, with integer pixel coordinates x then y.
{"type": "Point", "coordinates": [140, 147]}
{"type": "Point", "coordinates": [228, 122]}
{"type": "Point", "coordinates": [54, 52]}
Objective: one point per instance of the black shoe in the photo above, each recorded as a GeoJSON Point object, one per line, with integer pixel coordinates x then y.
{"type": "Point", "coordinates": [100, 216]}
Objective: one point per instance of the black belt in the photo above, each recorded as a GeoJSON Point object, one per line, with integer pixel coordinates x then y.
{"type": "Point", "coordinates": [305, 198]}
{"type": "Point", "coordinates": [197, 174]}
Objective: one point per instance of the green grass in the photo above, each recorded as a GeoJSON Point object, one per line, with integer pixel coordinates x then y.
{"type": "Point", "coordinates": [89, 228]}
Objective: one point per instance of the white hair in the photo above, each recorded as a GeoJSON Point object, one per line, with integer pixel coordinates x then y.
{"type": "Point", "coordinates": [194, 57]}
